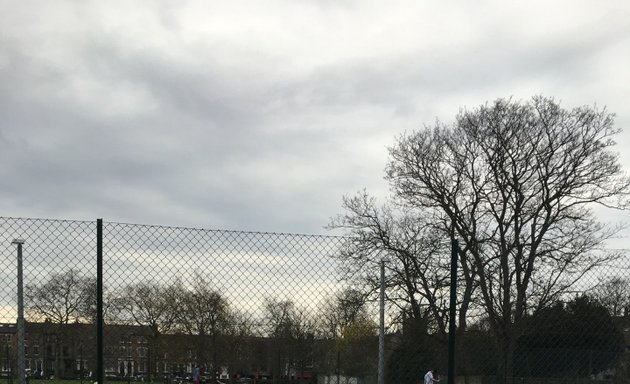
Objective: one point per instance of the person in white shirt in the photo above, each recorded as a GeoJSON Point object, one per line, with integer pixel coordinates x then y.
{"type": "Point", "coordinates": [428, 378]}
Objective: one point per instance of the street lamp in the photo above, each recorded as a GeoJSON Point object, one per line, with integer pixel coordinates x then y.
{"type": "Point", "coordinates": [21, 368]}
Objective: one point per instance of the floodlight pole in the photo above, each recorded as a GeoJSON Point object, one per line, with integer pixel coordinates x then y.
{"type": "Point", "coordinates": [21, 367]}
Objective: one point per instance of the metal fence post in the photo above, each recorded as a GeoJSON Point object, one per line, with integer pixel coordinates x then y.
{"type": "Point", "coordinates": [381, 336]}
{"type": "Point", "coordinates": [452, 314]}
{"type": "Point", "coordinates": [99, 302]}
{"type": "Point", "coordinates": [21, 367]}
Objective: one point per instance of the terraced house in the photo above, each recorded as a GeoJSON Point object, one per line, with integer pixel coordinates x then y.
{"type": "Point", "coordinates": [138, 353]}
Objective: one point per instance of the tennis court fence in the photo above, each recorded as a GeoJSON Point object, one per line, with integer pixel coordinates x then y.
{"type": "Point", "coordinates": [179, 305]}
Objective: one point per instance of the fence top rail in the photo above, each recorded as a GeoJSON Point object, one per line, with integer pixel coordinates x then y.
{"type": "Point", "coordinates": [177, 227]}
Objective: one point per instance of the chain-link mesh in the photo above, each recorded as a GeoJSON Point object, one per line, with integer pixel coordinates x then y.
{"type": "Point", "coordinates": [59, 269]}
{"type": "Point", "coordinates": [218, 304]}
{"type": "Point", "coordinates": [207, 306]}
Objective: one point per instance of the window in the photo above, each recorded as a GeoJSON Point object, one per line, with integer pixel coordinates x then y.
{"type": "Point", "coordinates": [81, 365]}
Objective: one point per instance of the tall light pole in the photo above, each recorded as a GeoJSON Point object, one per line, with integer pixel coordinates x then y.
{"type": "Point", "coordinates": [21, 368]}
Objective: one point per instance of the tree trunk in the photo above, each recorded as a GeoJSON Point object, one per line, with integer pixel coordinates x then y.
{"type": "Point", "coordinates": [505, 371]}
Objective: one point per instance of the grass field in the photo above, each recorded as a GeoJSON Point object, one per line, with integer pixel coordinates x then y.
{"type": "Point", "coordinates": [32, 381]}
{"type": "Point", "coordinates": [4, 380]}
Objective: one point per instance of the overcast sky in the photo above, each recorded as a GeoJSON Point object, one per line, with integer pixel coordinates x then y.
{"type": "Point", "coordinates": [261, 115]}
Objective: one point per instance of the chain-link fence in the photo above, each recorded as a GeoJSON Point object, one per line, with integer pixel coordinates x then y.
{"type": "Point", "coordinates": [182, 305]}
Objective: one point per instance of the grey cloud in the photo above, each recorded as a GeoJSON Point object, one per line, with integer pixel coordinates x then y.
{"type": "Point", "coordinates": [220, 132]}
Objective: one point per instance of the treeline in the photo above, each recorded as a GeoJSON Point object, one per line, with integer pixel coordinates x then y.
{"type": "Point", "coordinates": [220, 333]}
{"type": "Point", "coordinates": [575, 338]}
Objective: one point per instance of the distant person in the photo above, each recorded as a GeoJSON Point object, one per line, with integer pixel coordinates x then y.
{"type": "Point", "coordinates": [428, 378]}
{"type": "Point", "coordinates": [196, 375]}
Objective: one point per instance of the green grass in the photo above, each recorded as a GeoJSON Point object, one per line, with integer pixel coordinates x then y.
{"type": "Point", "coordinates": [4, 380]}
{"type": "Point", "coordinates": [42, 381]}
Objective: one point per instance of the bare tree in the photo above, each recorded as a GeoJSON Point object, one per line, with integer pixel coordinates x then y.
{"type": "Point", "coordinates": [240, 351]}
{"type": "Point", "coordinates": [283, 318]}
{"type": "Point", "coordinates": [65, 297]}
{"type": "Point", "coordinates": [113, 303]}
{"type": "Point", "coordinates": [417, 253]}
{"type": "Point", "coordinates": [202, 311]}
{"type": "Point", "coordinates": [614, 295]}
{"type": "Point", "coordinates": [293, 332]}
{"type": "Point", "coordinates": [341, 310]}
{"type": "Point", "coordinates": [345, 320]}
{"type": "Point", "coordinates": [150, 304]}
{"type": "Point", "coordinates": [517, 181]}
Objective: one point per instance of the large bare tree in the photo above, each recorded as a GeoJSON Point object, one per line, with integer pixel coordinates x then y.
{"type": "Point", "coordinates": [63, 298]}
{"type": "Point", "coordinates": [518, 181]}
